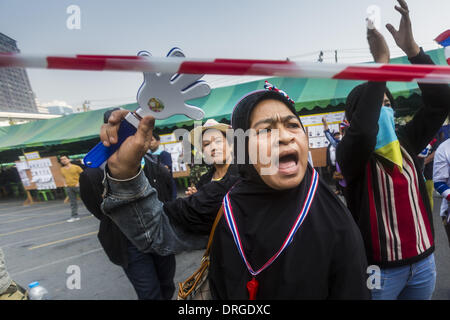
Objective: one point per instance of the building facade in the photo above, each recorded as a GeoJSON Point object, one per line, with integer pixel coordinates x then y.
{"type": "Point", "coordinates": [59, 110]}
{"type": "Point", "coordinates": [16, 94]}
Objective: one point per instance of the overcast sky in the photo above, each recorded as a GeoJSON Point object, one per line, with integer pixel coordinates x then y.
{"type": "Point", "coordinates": [254, 29]}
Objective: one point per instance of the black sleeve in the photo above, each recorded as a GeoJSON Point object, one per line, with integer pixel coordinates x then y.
{"type": "Point", "coordinates": [197, 212]}
{"type": "Point", "coordinates": [328, 156]}
{"type": "Point", "coordinates": [159, 178]}
{"type": "Point", "coordinates": [348, 277]}
{"type": "Point", "coordinates": [166, 159]}
{"type": "Point", "coordinates": [204, 179]}
{"type": "Point", "coordinates": [91, 190]}
{"type": "Point", "coordinates": [362, 133]}
{"type": "Point", "coordinates": [428, 120]}
{"type": "Point", "coordinates": [166, 182]}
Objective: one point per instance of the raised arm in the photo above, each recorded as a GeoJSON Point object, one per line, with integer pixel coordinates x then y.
{"type": "Point", "coordinates": [328, 135]}
{"type": "Point", "coordinates": [363, 111]}
{"type": "Point", "coordinates": [436, 97]}
{"type": "Point", "coordinates": [131, 202]}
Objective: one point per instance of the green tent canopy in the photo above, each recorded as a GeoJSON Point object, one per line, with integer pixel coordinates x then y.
{"type": "Point", "coordinates": [307, 93]}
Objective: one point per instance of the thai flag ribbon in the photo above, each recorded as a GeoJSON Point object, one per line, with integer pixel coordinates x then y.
{"type": "Point", "coordinates": [231, 221]}
{"type": "Point", "coordinates": [444, 40]}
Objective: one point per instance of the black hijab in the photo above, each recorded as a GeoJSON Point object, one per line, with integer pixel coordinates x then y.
{"type": "Point", "coordinates": [257, 206]}
{"type": "Point", "coordinates": [240, 119]}
{"type": "Point", "coordinates": [354, 96]}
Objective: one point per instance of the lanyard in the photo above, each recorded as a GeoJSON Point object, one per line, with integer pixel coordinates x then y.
{"type": "Point", "coordinates": [300, 218]}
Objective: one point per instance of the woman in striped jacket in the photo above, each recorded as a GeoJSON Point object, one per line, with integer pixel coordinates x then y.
{"type": "Point", "coordinates": [386, 193]}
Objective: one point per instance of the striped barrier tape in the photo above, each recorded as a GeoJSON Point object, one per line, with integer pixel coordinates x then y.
{"type": "Point", "coordinates": [373, 71]}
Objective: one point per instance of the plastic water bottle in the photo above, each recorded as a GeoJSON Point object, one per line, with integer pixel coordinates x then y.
{"type": "Point", "coordinates": [37, 292]}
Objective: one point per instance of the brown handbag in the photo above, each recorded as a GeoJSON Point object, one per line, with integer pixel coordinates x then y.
{"type": "Point", "coordinates": [196, 287]}
{"type": "Point", "coordinates": [338, 176]}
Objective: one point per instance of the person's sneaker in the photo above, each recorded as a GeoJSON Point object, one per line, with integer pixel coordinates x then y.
{"type": "Point", "coordinates": [14, 292]}
{"type": "Point", "coordinates": [73, 219]}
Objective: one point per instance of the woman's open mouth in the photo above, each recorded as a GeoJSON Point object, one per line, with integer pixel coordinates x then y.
{"type": "Point", "coordinates": [288, 162]}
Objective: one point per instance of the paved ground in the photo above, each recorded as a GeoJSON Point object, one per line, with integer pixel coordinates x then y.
{"type": "Point", "coordinates": [40, 245]}
{"type": "Point", "coordinates": [442, 256]}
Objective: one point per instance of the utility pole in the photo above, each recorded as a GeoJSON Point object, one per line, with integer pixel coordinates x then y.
{"type": "Point", "coordinates": [86, 106]}
{"type": "Point", "coordinates": [335, 56]}
{"type": "Point", "coordinates": [320, 57]}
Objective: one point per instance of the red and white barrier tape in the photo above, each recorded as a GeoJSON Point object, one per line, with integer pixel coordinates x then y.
{"type": "Point", "coordinates": [374, 72]}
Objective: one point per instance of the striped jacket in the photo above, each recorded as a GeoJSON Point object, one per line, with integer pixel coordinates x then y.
{"type": "Point", "coordinates": [391, 207]}
{"type": "Point", "coordinates": [400, 227]}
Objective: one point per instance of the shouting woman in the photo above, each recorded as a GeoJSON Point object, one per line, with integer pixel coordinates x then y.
{"type": "Point", "coordinates": [284, 234]}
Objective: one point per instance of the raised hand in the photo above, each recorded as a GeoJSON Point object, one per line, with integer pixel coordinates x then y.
{"type": "Point", "coordinates": [325, 124]}
{"type": "Point", "coordinates": [404, 37]}
{"type": "Point", "coordinates": [378, 46]}
{"type": "Point", "coordinates": [190, 191]}
{"type": "Point", "coordinates": [125, 162]}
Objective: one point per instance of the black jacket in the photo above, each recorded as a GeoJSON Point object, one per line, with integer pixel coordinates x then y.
{"type": "Point", "coordinates": [358, 167]}
{"type": "Point", "coordinates": [207, 177]}
{"type": "Point", "coordinates": [111, 238]}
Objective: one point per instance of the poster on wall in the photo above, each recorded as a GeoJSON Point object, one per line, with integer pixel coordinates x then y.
{"type": "Point", "coordinates": [170, 144]}
{"type": "Point", "coordinates": [32, 155]}
{"type": "Point", "coordinates": [176, 151]}
{"type": "Point", "coordinates": [22, 168]}
{"type": "Point", "coordinates": [41, 174]}
{"type": "Point", "coordinates": [167, 138]}
{"type": "Point", "coordinates": [314, 127]}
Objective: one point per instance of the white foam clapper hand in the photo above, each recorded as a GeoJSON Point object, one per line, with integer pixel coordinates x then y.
{"type": "Point", "coordinates": [163, 95]}
{"type": "Point", "coordinates": [373, 20]}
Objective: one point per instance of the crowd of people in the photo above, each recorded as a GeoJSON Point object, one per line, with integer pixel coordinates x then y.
{"type": "Point", "coordinates": [387, 220]}
{"type": "Point", "coordinates": [285, 235]}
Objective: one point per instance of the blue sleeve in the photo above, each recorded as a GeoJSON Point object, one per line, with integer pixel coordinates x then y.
{"type": "Point", "coordinates": [330, 138]}
{"type": "Point", "coordinates": [442, 188]}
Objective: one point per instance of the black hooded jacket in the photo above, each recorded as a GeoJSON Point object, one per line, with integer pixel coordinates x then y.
{"type": "Point", "coordinates": [368, 176]}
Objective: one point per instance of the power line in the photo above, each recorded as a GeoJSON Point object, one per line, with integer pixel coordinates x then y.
{"type": "Point", "coordinates": [392, 49]}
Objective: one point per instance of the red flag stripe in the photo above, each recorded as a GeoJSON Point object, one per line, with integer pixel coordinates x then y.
{"type": "Point", "coordinates": [444, 35]}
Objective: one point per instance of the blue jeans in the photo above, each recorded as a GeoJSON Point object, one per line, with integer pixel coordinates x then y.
{"type": "Point", "coordinates": [412, 282]}
{"type": "Point", "coordinates": [151, 275]}
{"type": "Point", "coordinates": [72, 194]}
